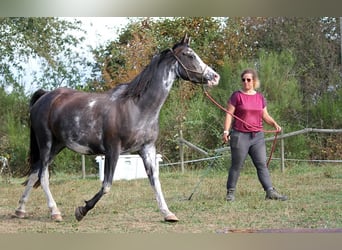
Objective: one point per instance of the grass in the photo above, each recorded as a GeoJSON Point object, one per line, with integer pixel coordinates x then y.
{"type": "Point", "coordinates": [315, 201]}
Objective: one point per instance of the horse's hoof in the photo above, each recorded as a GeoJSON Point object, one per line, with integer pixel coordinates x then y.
{"type": "Point", "coordinates": [19, 214]}
{"type": "Point", "coordinates": [78, 214]}
{"type": "Point", "coordinates": [171, 218]}
{"type": "Point", "coordinates": [56, 217]}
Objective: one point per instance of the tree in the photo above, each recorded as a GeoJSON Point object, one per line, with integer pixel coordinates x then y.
{"type": "Point", "coordinates": [315, 43]}
{"type": "Point", "coordinates": [121, 60]}
{"type": "Point", "coordinates": [50, 42]}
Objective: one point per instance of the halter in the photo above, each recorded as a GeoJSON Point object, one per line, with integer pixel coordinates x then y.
{"type": "Point", "coordinates": [187, 70]}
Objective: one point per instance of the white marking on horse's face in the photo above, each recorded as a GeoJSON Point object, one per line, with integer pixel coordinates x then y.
{"type": "Point", "coordinates": [202, 65]}
{"type": "Point", "coordinates": [209, 74]}
{"type": "Point", "coordinates": [212, 76]}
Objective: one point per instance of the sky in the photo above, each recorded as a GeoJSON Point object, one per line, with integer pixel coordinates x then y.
{"type": "Point", "coordinates": [99, 30]}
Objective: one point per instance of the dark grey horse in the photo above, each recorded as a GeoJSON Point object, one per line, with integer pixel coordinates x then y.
{"type": "Point", "coordinates": [124, 119]}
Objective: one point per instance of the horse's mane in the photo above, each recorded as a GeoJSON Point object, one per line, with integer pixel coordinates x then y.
{"type": "Point", "coordinates": [140, 83]}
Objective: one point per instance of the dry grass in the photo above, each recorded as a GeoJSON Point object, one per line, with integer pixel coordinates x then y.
{"type": "Point", "coordinates": [315, 194]}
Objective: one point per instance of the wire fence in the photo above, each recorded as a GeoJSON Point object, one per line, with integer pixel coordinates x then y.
{"type": "Point", "coordinates": [220, 156]}
{"type": "Point", "coordinates": [218, 152]}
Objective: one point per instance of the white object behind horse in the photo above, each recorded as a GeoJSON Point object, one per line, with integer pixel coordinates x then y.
{"type": "Point", "coordinates": [129, 167]}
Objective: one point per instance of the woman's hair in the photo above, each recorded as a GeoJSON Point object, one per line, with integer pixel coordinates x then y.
{"type": "Point", "coordinates": [256, 81]}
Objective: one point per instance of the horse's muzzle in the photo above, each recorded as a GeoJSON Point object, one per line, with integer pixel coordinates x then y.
{"type": "Point", "coordinates": [212, 77]}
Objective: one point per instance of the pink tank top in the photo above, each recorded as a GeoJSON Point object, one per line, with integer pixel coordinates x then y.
{"type": "Point", "coordinates": [249, 108]}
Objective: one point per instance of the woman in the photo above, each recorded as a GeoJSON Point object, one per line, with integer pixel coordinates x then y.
{"type": "Point", "coordinates": [246, 136]}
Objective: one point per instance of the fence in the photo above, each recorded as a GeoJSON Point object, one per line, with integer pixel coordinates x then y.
{"type": "Point", "coordinates": [5, 171]}
{"type": "Point", "coordinates": [218, 152]}
{"type": "Point", "coordinates": [281, 137]}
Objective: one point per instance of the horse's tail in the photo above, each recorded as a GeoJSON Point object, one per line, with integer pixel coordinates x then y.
{"type": "Point", "coordinates": [36, 95]}
{"type": "Point", "coordinates": [34, 153]}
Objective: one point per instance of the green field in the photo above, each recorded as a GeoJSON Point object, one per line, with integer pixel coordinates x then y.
{"type": "Point", "coordinates": [315, 202]}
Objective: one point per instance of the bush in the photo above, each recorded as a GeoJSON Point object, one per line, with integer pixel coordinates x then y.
{"type": "Point", "coordinates": [14, 129]}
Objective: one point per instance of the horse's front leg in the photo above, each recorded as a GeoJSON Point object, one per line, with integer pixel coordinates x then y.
{"type": "Point", "coordinates": [109, 168]}
{"type": "Point", "coordinates": [148, 154]}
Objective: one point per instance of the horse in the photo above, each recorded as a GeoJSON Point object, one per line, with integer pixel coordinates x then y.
{"type": "Point", "coordinates": [121, 120]}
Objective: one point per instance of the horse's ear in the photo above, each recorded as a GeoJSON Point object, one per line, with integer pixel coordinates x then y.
{"type": "Point", "coordinates": [186, 39]}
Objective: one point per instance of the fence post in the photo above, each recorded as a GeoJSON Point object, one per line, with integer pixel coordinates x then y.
{"type": "Point", "coordinates": [83, 167]}
{"type": "Point", "coordinates": [282, 152]}
{"type": "Point", "coordinates": [181, 150]}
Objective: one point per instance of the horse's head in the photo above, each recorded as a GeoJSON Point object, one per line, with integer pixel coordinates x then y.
{"type": "Point", "coordinates": [190, 65]}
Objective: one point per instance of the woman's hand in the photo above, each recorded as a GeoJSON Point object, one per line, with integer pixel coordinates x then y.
{"type": "Point", "coordinates": [226, 136]}
{"type": "Point", "coordinates": [277, 127]}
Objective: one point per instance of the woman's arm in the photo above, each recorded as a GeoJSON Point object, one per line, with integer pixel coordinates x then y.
{"type": "Point", "coordinates": [228, 122]}
{"type": "Point", "coordinates": [269, 120]}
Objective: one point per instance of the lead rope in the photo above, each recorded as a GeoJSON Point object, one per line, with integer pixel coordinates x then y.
{"type": "Point", "coordinates": [249, 125]}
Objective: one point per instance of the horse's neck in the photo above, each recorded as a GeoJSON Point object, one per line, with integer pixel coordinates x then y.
{"type": "Point", "coordinates": [159, 89]}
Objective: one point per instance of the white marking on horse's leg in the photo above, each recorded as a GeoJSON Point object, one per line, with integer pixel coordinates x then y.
{"type": "Point", "coordinates": [168, 215]}
{"type": "Point", "coordinates": [20, 211]}
{"type": "Point", "coordinates": [106, 189]}
{"type": "Point", "coordinates": [55, 213]}
{"type": "Point", "coordinates": [150, 160]}
{"type": "Point", "coordinates": [109, 169]}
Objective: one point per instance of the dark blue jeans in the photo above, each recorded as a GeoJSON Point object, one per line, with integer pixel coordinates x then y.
{"type": "Point", "coordinates": [252, 144]}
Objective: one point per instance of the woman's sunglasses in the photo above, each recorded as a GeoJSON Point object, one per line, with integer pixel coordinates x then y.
{"type": "Point", "coordinates": [246, 79]}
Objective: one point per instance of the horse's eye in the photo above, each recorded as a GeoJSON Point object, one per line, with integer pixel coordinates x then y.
{"type": "Point", "coordinates": [189, 54]}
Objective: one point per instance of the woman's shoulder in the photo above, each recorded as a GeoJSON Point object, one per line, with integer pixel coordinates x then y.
{"type": "Point", "coordinates": [260, 94]}
{"type": "Point", "coordinates": [236, 93]}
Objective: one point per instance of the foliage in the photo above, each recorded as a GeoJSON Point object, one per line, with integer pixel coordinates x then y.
{"type": "Point", "coordinates": [70, 162]}
{"type": "Point", "coordinates": [122, 60]}
{"type": "Point", "coordinates": [279, 85]}
{"type": "Point", "coordinates": [298, 61]}
{"type": "Point", "coordinates": [315, 44]}
{"type": "Point", "coordinates": [47, 44]}
{"type": "Point", "coordinates": [328, 110]}
{"type": "Point", "coordinates": [14, 129]}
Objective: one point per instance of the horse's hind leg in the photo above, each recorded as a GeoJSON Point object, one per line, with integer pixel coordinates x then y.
{"type": "Point", "coordinates": [20, 212]}
{"type": "Point", "coordinates": [148, 155]}
{"type": "Point", "coordinates": [47, 156]}
{"type": "Point", "coordinates": [42, 170]}
{"type": "Point", "coordinates": [55, 213]}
